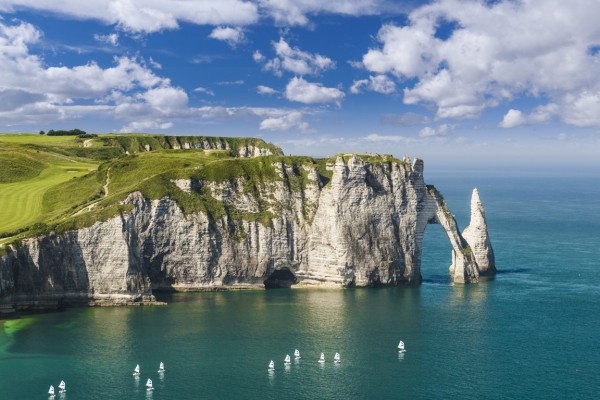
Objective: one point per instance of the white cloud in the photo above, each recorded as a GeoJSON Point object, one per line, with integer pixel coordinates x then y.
{"type": "Point", "coordinates": [204, 90]}
{"type": "Point", "coordinates": [379, 83]}
{"type": "Point", "coordinates": [145, 126]}
{"type": "Point", "coordinates": [497, 52]}
{"type": "Point", "coordinates": [306, 92]}
{"type": "Point", "coordinates": [260, 89]}
{"type": "Point", "coordinates": [293, 120]}
{"type": "Point", "coordinates": [294, 12]}
{"type": "Point", "coordinates": [544, 113]}
{"type": "Point", "coordinates": [513, 118]}
{"type": "Point", "coordinates": [112, 38]}
{"type": "Point", "coordinates": [434, 132]}
{"type": "Point", "coordinates": [154, 64]}
{"type": "Point", "coordinates": [297, 61]}
{"type": "Point", "coordinates": [232, 36]}
{"type": "Point", "coordinates": [146, 16]}
{"type": "Point", "coordinates": [374, 137]}
{"type": "Point", "coordinates": [258, 57]}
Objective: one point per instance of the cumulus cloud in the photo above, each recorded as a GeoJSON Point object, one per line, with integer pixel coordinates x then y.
{"type": "Point", "coordinates": [143, 16]}
{"type": "Point", "coordinates": [293, 120]}
{"type": "Point", "coordinates": [497, 51]}
{"type": "Point", "coordinates": [260, 89]}
{"type": "Point", "coordinates": [48, 90]}
{"type": "Point", "coordinates": [512, 119]}
{"type": "Point", "coordinates": [112, 38]}
{"type": "Point", "coordinates": [544, 113]}
{"type": "Point", "coordinates": [306, 92]}
{"type": "Point", "coordinates": [378, 83]}
{"type": "Point", "coordinates": [294, 60]}
{"type": "Point", "coordinates": [232, 36]}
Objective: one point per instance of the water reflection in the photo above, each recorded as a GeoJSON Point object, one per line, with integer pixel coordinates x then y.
{"type": "Point", "coordinates": [401, 356]}
{"type": "Point", "coordinates": [473, 295]}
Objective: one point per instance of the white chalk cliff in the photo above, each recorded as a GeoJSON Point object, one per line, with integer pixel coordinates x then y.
{"type": "Point", "coordinates": [364, 227]}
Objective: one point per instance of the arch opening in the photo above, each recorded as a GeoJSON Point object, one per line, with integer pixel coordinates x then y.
{"type": "Point", "coordinates": [436, 256]}
{"type": "Point", "coordinates": [280, 278]}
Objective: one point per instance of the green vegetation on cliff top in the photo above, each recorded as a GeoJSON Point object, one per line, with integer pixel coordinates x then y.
{"type": "Point", "coordinates": [59, 183]}
{"type": "Point", "coordinates": [55, 183]}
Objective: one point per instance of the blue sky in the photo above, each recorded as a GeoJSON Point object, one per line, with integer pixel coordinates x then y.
{"type": "Point", "coordinates": [451, 81]}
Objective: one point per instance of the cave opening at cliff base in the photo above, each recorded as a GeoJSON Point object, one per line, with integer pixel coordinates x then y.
{"type": "Point", "coordinates": [280, 278]}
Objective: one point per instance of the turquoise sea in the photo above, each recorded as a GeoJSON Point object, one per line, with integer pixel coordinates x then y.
{"type": "Point", "coordinates": [531, 333]}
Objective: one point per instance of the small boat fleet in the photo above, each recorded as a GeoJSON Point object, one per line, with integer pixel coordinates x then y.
{"type": "Point", "coordinates": [149, 385]}
{"type": "Point", "coordinates": [288, 360]}
{"type": "Point", "coordinates": [337, 358]}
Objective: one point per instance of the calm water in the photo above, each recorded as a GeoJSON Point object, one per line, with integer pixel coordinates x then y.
{"type": "Point", "coordinates": [533, 332]}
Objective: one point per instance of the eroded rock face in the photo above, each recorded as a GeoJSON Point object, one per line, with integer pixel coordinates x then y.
{"type": "Point", "coordinates": [476, 235]}
{"type": "Point", "coordinates": [362, 228]}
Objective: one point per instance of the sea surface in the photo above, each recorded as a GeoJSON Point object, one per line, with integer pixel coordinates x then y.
{"type": "Point", "coordinates": [531, 333]}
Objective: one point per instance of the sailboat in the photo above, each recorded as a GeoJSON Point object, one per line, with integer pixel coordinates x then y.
{"type": "Point", "coordinates": [322, 358]}
{"type": "Point", "coordinates": [161, 367]}
{"type": "Point", "coordinates": [271, 365]}
{"type": "Point", "coordinates": [336, 358]}
{"type": "Point", "coordinates": [401, 347]}
{"type": "Point", "coordinates": [51, 391]}
{"type": "Point", "coordinates": [287, 359]}
{"type": "Point", "coordinates": [62, 386]}
{"type": "Point", "coordinates": [136, 371]}
{"type": "Point", "coordinates": [297, 353]}
{"type": "Point", "coordinates": [149, 384]}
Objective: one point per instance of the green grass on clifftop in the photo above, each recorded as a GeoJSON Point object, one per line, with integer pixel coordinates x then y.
{"type": "Point", "coordinates": [66, 182]}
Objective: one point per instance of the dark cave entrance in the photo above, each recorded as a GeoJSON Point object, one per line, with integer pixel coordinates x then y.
{"type": "Point", "coordinates": [280, 278]}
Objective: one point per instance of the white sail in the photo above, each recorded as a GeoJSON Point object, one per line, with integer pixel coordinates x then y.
{"type": "Point", "coordinates": [149, 383]}
{"type": "Point", "coordinates": [272, 365]}
{"type": "Point", "coordinates": [336, 358]}
{"type": "Point", "coordinates": [62, 386]}
{"type": "Point", "coordinates": [297, 353]}
{"type": "Point", "coordinates": [136, 370]}
{"type": "Point", "coordinates": [51, 390]}
{"type": "Point", "coordinates": [322, 358]}
{"type": "Point", "coordinates": [401, 346]}
{"type": "Point", "coordinates": [287, 359]}
{"type": "Point", "coordinates": [161, 367]}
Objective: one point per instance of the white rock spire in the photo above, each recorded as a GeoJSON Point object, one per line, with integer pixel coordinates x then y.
{"type": "Point", "coordinates": [476, 235]}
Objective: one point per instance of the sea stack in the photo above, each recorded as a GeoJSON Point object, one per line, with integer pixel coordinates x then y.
{"type": "Point", "coordinates": [476, 235]}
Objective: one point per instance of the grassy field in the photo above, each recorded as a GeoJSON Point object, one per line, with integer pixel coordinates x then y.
{"type": "Point", "coordinates": [21, 202]}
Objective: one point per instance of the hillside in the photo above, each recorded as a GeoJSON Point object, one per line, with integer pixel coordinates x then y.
{"type": "Point", "coordinates": [54, 183]}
